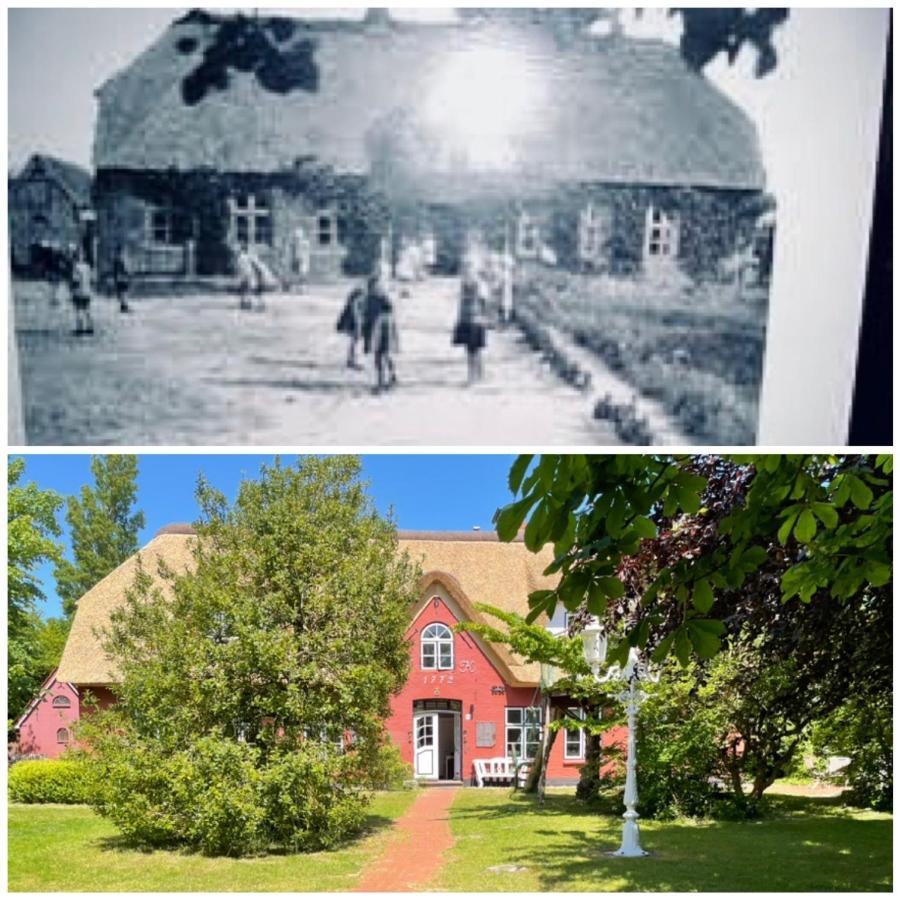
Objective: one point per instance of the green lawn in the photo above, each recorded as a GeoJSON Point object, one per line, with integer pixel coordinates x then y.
{"type": "Point", "coordinates": [70, 848]}
{"type": "Point", "coordinates": [809, 845]}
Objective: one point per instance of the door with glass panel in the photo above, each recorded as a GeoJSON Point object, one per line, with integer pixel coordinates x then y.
{"type": "Point", "coordinates": [426, 730]}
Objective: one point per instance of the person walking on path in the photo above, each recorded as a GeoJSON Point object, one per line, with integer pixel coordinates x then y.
{"type": "Point", "coordinates": [471, 325]}
{"type": "Point", "coordinates": [246, 276]}
{"type": "Point", "coordinates": [380, 331]}
{"type": "Point", "coordinates": [121, 278]}
{"type": "Point", "coordinates": [82, 290]}
{"type": "Point", "coordinates": [350, 322]}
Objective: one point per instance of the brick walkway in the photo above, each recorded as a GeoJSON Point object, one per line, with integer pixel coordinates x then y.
{"type": "Point", "coordinates": [415, 853]}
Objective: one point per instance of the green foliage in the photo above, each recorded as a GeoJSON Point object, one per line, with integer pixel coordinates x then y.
{"type": "Point", "coordinates": [599, 511]}
{"type": "Point", "coordinates": [389, 771]}
{"type": "Point", "coordinates": [49, 781]}
{"type": "Point", "coordinates": [31, 528]}
{"type": "Point", "coordinates": [863, 730]}
{"type": "Point", "coordinates": [103, 526]}
{"type": "Point", "coordinates": [31, 532]}
{"type": "Point", "coordinates": [224, 798]}
{"type": "Point", "coordinates": [239, 677]}
{"type": "Point", "coordinates": [684, 724]}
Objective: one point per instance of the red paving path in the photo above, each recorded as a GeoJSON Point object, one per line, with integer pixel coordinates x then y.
{"type": "Point", "coordinates": [415, 853]}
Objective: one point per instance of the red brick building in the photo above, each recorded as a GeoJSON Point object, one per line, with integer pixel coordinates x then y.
{"type": "Point", "coordinates": [465, 698]}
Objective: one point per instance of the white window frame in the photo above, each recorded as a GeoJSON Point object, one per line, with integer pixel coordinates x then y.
{"type": "Point", "coordinates": [330, 215]}
{"type": "Point", "coordinates": [256, 207]}
{"type": "Point", "coordinates": [438, 642]}
{"type": "Point", "coordinates": [662, 231]}
{"type": "Point", "coordinates": [590, 232]}
{"type": "Point", "coordinates": [574, 714]}
{"type": "Point", "coordinates": [528, 237]}
{"type": "Point", "coordinates": [527, 724]}
{"type": "Point", "coordinates": [167, 229]}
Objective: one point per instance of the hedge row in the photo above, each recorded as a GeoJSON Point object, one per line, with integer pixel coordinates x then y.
{"type": "Point", "coordinates": [49, 781]}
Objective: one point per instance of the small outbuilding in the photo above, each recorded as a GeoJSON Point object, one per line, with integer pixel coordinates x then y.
{"type": "Point", "coordinates": [50, 212]}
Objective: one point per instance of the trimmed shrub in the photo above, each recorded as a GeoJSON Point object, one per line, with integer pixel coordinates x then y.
{"type": "Point", "coordinates": [49, 781]}
{"type": "Point", "coordinates": [225, 798]}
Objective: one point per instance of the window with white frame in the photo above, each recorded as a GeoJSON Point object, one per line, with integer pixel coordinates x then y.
{"type": "Point", "coordinates": [527, 236]}
{"type": "Point", "coordinates": [251, 219]}
{"type": "Point", "coordinates": [590, 234]}
{"type": "Point", "coordinates": [163, 225]}
{"type": "Point", "coordinates": [574, 747]}
{"type": "Point", "coordinates": [326, 228]}
{"type": "Point", "coordinates": [437, 647]}
{"type": "Point", "coordinates": [662, 235]}
{"type": "Point", "coordinates": [523, 731]}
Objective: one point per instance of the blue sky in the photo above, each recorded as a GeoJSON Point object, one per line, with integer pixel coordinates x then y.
{"type": "Point", "coordinates": [441, 493]}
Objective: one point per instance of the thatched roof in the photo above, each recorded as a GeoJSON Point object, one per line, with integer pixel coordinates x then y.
{"type": "Point", "coordinates": [611, 109]}
{"type": "Point", "coordinates": [74, 180]}
{"type": "Point", "coordinates": [471, 567]}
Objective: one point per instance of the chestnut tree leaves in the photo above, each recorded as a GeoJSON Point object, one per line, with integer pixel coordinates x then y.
{"type": "Point", "coordinates": [658, 547]}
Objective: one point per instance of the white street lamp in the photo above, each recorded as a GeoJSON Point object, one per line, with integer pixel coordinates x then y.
{"type": "Point", "coordinates": [635, 671]}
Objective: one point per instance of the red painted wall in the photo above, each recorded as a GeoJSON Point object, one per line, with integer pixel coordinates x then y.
{"type": "Point", "coordinates": [39, 730]}
{"type": "Point", "coordinates": [477, 683]}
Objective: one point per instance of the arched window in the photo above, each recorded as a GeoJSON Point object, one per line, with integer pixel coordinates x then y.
{"type": "Point", "coordinates": [437, 647]}
{"type": "Point", "coordinates": [62, 735]}
{"type": "Point", "coordinates": [61, 702]}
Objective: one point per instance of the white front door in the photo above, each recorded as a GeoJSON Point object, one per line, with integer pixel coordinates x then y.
{"type": "Point", "coordinates": [426, 728]}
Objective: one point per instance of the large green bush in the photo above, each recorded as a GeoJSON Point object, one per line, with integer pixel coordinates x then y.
{"type": "Point", "coordinates": [219, 796]}
{"type": "Point", "coordinates": [49, 781]}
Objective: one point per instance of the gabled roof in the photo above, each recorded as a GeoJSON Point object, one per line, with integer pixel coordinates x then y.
{"type": "Point", "coordinates": [474, 567]}
{"type": "Point", "coordinates": [74, 180]}
{"type": "Point", "coordinates": [38, 697]}
{"type": "Point", "coordinates": [611, 110]}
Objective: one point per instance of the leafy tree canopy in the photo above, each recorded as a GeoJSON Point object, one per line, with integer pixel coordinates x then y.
{"type": "Point", "coordinates": [103, 525]}
{"type": "Point", "coordinates": [286, 636]}
{"type": "Point", "coordinates": [32, 530]}
{"type": "Point", "coordinates": [651, 542]}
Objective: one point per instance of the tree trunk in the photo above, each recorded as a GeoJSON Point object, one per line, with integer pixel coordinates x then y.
{"type": "Point", "coordinates": [589, 783]}
{"type": "Point", "coordinates": [549, 738]}
{"type": "Point", "coordinates": [532, 782]}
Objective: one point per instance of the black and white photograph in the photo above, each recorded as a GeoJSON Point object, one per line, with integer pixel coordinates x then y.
{"type": "Point", "coordinates": [438, 227]}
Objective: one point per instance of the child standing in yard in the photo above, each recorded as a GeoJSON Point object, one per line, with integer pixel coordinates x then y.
{"type": "Point", "coordinates": [351, 322]}
{"type": "Point", "coordinates": [380, 331]}
{"type": "Point", "coordinates": [471, 328]}
{"type": "Point", "coordinates": [246, 275]}
{"type": "Point", "coordinates": [121, 278]}
{"type": "Point", "coordinates": [81, 295]}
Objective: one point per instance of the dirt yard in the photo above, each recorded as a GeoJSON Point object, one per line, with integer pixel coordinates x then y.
{"type": "Point", "coordinates": [196, 371]}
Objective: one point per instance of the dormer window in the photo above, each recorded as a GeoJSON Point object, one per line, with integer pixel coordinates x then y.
{"type": "Point", "coordinates": [437, 647]}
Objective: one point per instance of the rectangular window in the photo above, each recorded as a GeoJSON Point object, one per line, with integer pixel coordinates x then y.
{"type": "Point", "coordinates": [662, 234]}
{"type": "Point", "coordinates": [574, 748]}
{"type": "Point", "coordinates": [325, 228]}
{"type": "Point", "coordinates": [523, 731]}
{"type": "Point", "coordinates": [251, 219]}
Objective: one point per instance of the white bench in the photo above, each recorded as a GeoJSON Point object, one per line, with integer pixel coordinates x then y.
{"type": "Point", "coordinates": [500, 769]}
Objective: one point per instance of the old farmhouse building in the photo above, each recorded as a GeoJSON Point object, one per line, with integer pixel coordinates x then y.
{"type": "Point", "coordinates": [607, 154]}
{"type": "Point", "coordinates": [465, 699]}
{"type": "Point", "coordinates": [49, 212]}
{"type": "Point", "coordinates": [45, 728]}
